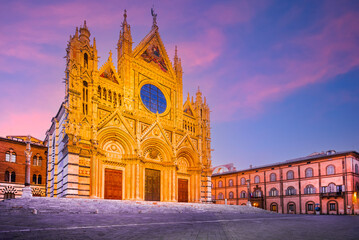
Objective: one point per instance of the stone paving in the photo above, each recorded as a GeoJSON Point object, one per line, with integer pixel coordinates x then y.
{"type": "Point", "coordinates": [78, 219]}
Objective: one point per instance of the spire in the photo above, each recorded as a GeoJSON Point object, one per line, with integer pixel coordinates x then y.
{"type": "Point", "coordinates": [199, 96]}
{"type": "Point", "coordinates": [124, 44]}
{"type": "Point", "coordinates": [154, 16]}
{"type": "Point", "coordinates": [95, 55]}
{"type": "Point", "coordinates": [188, 97]}
{"type": "Point", "coordinates": [84, 33]}
{"type": "Point", "coordinates": [110, 56]}
{"type": "Point", "coordinates": [175, 60]}
{"type": "Point", "coordinates": [77, 33]}
{"type": "Point", "coordinates": [125, 17]}
{"type": "Point", "coordinates": [177, 65]}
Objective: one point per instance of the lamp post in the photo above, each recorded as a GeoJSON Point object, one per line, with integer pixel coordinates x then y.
{"type": "Point", "coordinates": [26, 191]}
{"type": "Point", "coordinates": [249, 193]}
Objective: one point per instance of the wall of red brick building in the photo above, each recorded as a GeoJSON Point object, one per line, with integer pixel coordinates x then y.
{"type": "Point", "coordinates": [345, 175]}
{"type": "Point", "coordinates": [18, 167]}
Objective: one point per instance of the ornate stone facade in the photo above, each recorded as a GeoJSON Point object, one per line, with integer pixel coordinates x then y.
{"type": "Point", "coordinates": [116, 125]}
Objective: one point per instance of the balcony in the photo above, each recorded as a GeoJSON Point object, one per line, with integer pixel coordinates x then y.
{"type": "Point", "coordinates": [332, 194]}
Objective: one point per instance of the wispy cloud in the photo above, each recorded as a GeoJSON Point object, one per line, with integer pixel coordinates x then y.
{"type": "Point", "coordinates": [321, 55]}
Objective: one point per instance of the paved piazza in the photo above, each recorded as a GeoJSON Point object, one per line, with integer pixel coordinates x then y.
{"type": "Point", "coordinates": [103, 219]}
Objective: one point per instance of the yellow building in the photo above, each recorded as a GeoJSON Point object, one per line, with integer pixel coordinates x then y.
{"type": "Point", "coordinates": [125, 133]}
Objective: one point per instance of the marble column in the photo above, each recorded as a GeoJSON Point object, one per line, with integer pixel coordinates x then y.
{"type": "Point", "coordinates": [26, 191]}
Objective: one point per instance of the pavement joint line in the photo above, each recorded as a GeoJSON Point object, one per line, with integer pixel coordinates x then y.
{"type": "Point", "coordinates": [144, 224]}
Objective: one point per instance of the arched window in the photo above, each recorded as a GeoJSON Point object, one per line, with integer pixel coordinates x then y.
{"type": "Point", "coordinates": [356, 169]}
{"type": "Point", "coordinates": [99, 92]}
{"type": "Point", "coordinates": [273, 192]}
{"type": "Point", "coordinates": [330, 170]}
{"type": "Point", "coordinates": [274, 207]}
{"type": "Point", "coordinates": [13, 177]}
{"type": "Point", "coordinates": [257, 193]}
{"type": "Point", "coordinates": [114, 99]}
{"type": "Point", "coordinates": [220, 196]}
{"type": "Point", "coordinates": [290, 191]}
{"type": "Point", "coordinates": [7, 176]}
{"type": "Point", "coordinates": [34, 160]}
{"type": "Point", "coordinates": [309, 189]}
{"type": "Point", "coordinates": [230, 183]}
{"type": "Point", "coordinates": [109, 96]}
{"type": "Point", "coordinates": [273, 177]}
{"type": "Point", "coordinates": [119, 100]}
{"type": "Point", "coordinates": [104, 94]}
{"type": "Point", "coordinates": [309, 172]}
{"type": "Point", "coordinates": [331, 188]}
{"type": "Point", "coordinates": [220, 184]}
{"type": "Point", "coordinates": [85, 98]}
{"type": "Point", "coordinates": [39, 179]}
{"type": "Point", "coordinates": [13, 157]}
{"type": "Point", "coordinates": [86, 60]}
{"type": "Point", "coordinates": [7, 156]}
{"type": "Point", "coordinates": [39, 161]}
{"type": "Point", "coordinates": [231, 196]}
{"type": "Point", "coordinates": [243, 181]}
{"type": "Point", "coordinates": [243, 194]}
{"type": "Point", "coordinates": [256, 179]}
{"type": "Point", "coordinates": [34, 178]}
{"type": "Point", "coordinates": [290, 175]}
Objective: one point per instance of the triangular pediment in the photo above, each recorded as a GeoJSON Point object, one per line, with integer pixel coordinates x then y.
{"type": "Point", "coordinates": [116, 120]}
{"type": "Point", "coordinates": [156, 130]}
{"type": "Point", "coordinates": [152, 51]}
{"type": "Point", "coordinates": [186, 142]}
{"type": "Point", "coordinates": [108, 71]}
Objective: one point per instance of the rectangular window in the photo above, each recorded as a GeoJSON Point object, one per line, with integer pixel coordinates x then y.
{"type": "Point", "coordinates": [310, 207]}
{"type": "Point", "coordinates": [332, 206]}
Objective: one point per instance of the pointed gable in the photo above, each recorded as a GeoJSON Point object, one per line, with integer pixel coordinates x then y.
{"type": "Point", "coordinates": [108, 71]}
{"type": "Point", "coordinates": [187, 108]}
{"type": "Point", "coordinates": [152, 51]}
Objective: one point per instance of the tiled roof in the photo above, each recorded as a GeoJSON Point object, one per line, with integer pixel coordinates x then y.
{"type": "Point", "coordinates": [310, 157]}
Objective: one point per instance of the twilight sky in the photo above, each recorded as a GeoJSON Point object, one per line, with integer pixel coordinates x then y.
{"type": "Point", "coordinates": [281, 77]}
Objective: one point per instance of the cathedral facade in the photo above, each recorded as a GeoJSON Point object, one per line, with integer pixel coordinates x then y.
{"type": "Point", "coordinates": [123, 131]}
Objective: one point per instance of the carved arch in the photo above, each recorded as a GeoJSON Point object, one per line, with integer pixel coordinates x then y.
{"type": "Point", "coordinates": [189, 155]}
{"type": "Point", "coordinates": [118, 135]}
{"type": "Point", "coordinates": [160, 146]}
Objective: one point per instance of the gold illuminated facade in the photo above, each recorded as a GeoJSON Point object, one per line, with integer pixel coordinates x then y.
{"type": "Point", "coordinates": [123, 132]}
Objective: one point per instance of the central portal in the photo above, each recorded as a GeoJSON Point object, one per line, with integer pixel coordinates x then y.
{"type": "Point", "coordinates": [152, 185]}
{"type": "Point", "coordinates": [113, 184]}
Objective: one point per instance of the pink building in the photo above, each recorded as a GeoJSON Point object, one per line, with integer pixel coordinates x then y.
{"type": "Point", "coordinates": [327, 180]}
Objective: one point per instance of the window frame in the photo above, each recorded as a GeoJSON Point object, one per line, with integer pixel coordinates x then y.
{"type": "Point", "coordinates": [307, 175]}
{"type": "Point", "coordinates": [330, 167]}
{"type": "Point", "coordinates": [291, 176]}
{"type": "Point", "coordinates": [257, 179]}
{"type": "Point", "coordinates": [273, 177]}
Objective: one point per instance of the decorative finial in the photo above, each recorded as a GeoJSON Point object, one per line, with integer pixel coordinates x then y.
{"type": "Point", "coordinates": [125, 16]}
{"type": "Point", "coordinates": [85, 24]}
{"type": "Point", "coordinates": [154, 15]}
{"type": "Point", "coordinates": [110, 57]}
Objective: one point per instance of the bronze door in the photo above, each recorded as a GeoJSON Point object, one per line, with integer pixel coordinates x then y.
{"type": "Point", "coordinates": [152, 185]}
{"type": "Point", "coordinates": [113, 184]}
{"type": "Point", "coordinates": [182, 190]}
